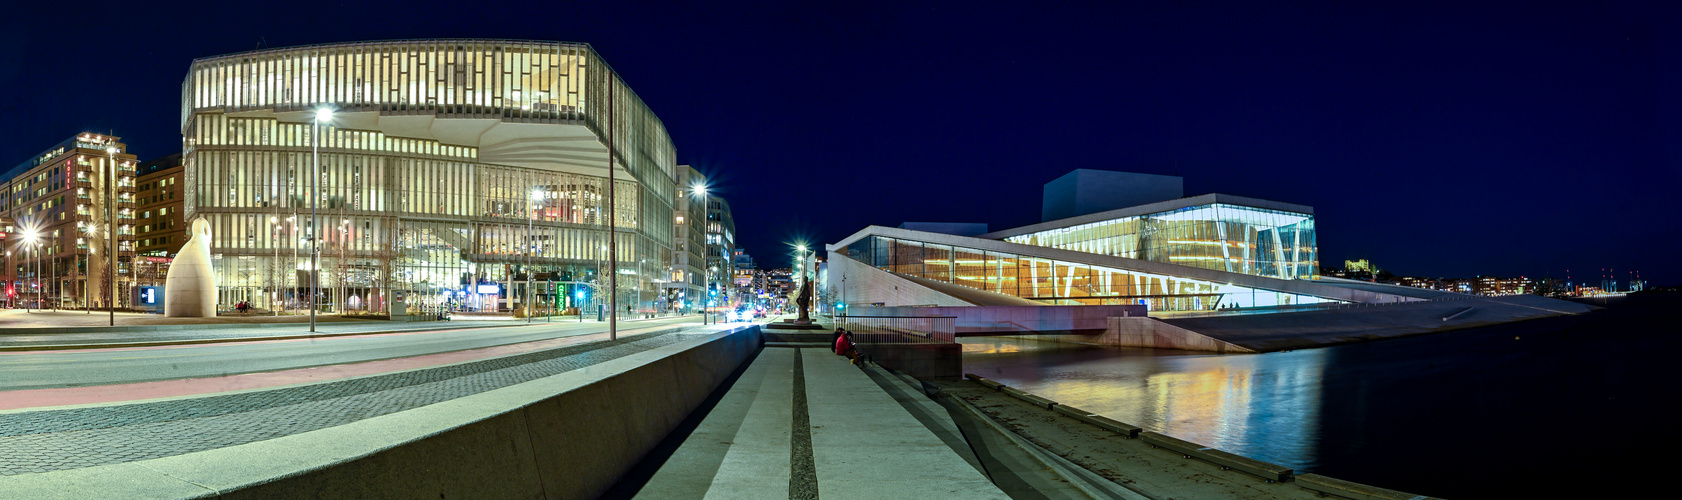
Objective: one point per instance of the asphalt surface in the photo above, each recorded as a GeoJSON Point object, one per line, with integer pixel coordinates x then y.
{"type": "Point", "coordinates": [78, 368]}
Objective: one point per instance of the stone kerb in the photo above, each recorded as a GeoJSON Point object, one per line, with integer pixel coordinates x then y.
{"type": "Point", "coordinates": [571, 435]}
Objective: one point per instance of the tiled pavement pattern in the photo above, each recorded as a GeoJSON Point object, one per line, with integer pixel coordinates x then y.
{"type": "Point", "coordinates": [49, 440]}
{"type": "Point", "coordinates": [22, 337]}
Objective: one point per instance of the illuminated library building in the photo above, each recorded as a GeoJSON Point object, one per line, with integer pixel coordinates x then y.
{"type": "Point", "coordinates": [450, 171]}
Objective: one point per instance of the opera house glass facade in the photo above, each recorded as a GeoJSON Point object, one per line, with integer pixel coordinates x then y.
{"type": "Point", "coordinates": [1221, 236]}
{"type": "Point", "coordinates": [446, 167]}
{"type": "Point", "coordinates": [1059, 281]}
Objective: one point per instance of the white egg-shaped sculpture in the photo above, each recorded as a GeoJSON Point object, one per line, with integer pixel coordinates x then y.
{"type": "Point", "coordinates": [190, 286]}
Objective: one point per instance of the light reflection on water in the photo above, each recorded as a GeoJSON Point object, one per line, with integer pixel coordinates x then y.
{"type": "Point", "coordinates": [1263, 406]}
{"type": "Point", "coordinates": [1535, 409]}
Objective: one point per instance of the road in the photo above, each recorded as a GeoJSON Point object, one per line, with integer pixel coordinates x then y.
{"type": "Point", "coordinates": [90, 367]}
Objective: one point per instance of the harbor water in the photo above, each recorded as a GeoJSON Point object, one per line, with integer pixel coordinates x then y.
{"type": "Point", "coordinates": [1547, 408]}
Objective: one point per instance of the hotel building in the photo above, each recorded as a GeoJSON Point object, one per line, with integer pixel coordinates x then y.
{"type": "Point", "coordinates": [684, 290]}
{"type": "Point", "coordinates": [58, 238]}
{"type": "Point", "coordinates": [446, 167]}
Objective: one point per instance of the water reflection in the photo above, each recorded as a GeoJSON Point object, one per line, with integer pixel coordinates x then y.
{"type": "Point", "coordinates": [1538, 408]}
{"type": "Point", "coordinates": [1264, 406]}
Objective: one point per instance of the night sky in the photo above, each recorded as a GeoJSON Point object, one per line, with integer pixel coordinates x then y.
{"type": "Point", "coordinates": [1433, 140]}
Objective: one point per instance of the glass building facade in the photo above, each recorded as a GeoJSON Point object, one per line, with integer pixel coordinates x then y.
{"type": "Point", "coordinates": [1056, 281]}
{"type": "Point", "coordinates": [1220, 236]}
{"type": "Point", "coordinates": [448, 166]}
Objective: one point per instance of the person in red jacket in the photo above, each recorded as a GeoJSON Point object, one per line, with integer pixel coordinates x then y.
{"type": "Point", "coordinates": [845, 347]}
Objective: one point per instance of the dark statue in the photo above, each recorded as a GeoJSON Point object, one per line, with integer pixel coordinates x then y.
{"type": "Point", "coordinates": [804, 300]}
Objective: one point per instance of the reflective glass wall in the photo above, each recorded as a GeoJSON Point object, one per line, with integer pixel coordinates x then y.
{"type": "Point", "coordinates": [1059, 282]}
{"type": "Point", "coordinates": [1219, 236]}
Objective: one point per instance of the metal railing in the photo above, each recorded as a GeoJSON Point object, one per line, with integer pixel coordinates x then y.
{"type": "Point", "coordinates": [899, 329]}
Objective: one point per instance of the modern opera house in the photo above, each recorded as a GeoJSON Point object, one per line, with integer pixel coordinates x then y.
{"type": "Point", "coordinates": [1170, 253]}
{"type": "Point", "coordinates": [1126, 259]}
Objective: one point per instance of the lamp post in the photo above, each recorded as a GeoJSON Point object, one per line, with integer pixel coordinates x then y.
{"type": "Point", "coordinates": [29, 237]}
{"type": "Point", "coordinates": [706, 249]}
{"type": "Point", "coordinates": [87, 294]}
{"type": "Point", "coordinates": [536, 195]}
{"type": "Point", "coordinates": [56, 287]}
{"type": "Point", "coordinates": [111, 231]}
{"type": "Point", "coordinates": [321, 115]}
{"type": "Point", "coordinates": [292, 241]}
{"type": "Point", "coordinates": [40, 288]}
{"type": "Point", "coordinates": [343, 294]}
{"type": "Point", "coordinates": [274, 283]}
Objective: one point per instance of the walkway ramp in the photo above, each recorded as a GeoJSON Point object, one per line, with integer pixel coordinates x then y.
{"type": "Point", "coordinates": [1295, 330]}
{"type": "Point", "coordinates": [805, 423]}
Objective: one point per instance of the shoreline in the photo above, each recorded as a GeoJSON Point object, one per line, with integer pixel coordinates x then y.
{"type": "Point", "coordinates": [1136, 463]}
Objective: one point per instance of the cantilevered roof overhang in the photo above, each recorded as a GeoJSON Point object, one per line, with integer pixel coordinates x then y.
{"type": "Point", "coordinates": [1302, 287]}
{"type": "Point", "coordinates": [1151, 208]}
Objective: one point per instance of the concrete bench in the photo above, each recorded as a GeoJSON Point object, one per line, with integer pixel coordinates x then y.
{"type": "Point", "coordinates": [989, 383]}
{"type": "Point", "coordinates": [1030, 398]}
{"type": "Point", "coordinates": [1264, 470]}
{"type": "Point", "coordinates": [1126, 430]}
{"type": "Point", "coordinates": [1346, 489]}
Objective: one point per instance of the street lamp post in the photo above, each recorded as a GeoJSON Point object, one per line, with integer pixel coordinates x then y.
{"type": "Point", "coordinates": [274, 283]}
{"type": "Point", "coordinates": [111, 232]}
{"type": "Point", "coordinates": [706, 250]}
{"type": "Point", "coordinates": [29, 237]}
{"type": "Point", "coordinates": [322, 114]}
{"type": "Point", "coordinates": [55, 274]}
{"type": "Point", "coordinates": [87, 265]}
{"type": "Point", "coordinates": [535, 196]}
{"type": "Point", "coordinates": [40, 289]}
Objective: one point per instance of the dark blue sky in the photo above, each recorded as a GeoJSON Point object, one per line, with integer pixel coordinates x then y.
{"type": "Point", "coordinates": [1435, 140]}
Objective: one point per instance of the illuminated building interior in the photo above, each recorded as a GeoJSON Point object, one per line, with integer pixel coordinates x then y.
{"type": "Point", "coordinates": [1220, 232]}
{"type": "Point", "coordinates": [1054, 281]}
{"type": "Point", "coordinates": [450, 171]}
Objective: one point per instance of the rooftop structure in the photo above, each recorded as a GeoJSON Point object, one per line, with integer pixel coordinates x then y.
{"type": "Point", "coordinates": [1085, 191]}
{"type": "Point", "coordinates": [957, 228]}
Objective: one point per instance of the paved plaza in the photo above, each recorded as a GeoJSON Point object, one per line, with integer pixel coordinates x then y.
{"type": "Point", "coordinates": [43, 441]}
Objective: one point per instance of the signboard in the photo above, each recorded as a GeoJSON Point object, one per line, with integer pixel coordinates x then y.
{"type": "Point", "coordinates": [150, 297]}
{"type": "Point", "coordinates": [490, 289]}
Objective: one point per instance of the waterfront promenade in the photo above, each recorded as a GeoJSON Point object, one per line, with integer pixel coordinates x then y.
{"type": "Point", "coordinates": [671, 409]}
{"type": "Point", "coordinates": [808, 422]}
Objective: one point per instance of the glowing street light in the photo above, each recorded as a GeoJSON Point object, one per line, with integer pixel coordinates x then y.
{"type": "Point", "coordinates": [699, 189]}
{"type": "Point", "coordinates": [31, 238]}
